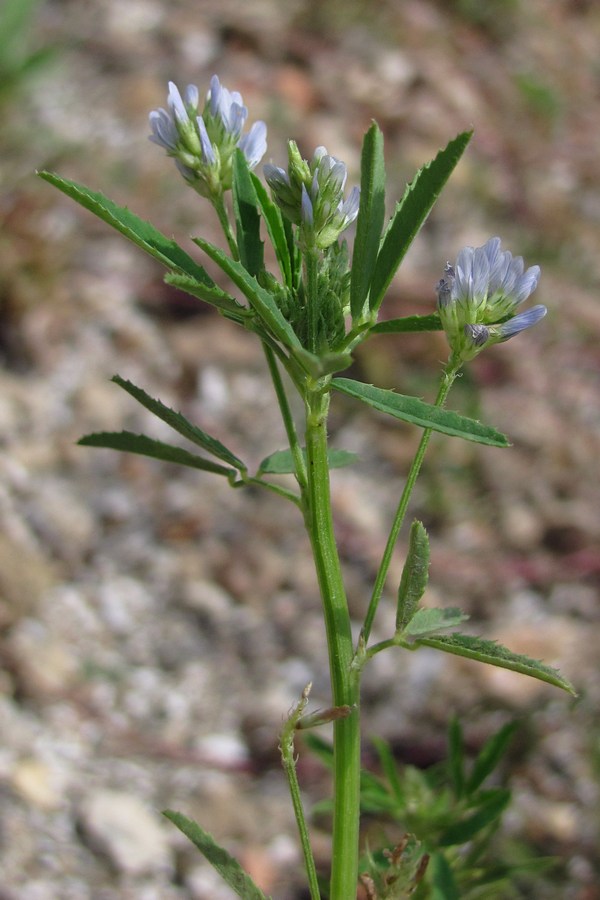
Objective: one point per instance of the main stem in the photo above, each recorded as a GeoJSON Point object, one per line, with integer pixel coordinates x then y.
{"type": "Point", "coordinates": [344, 681]}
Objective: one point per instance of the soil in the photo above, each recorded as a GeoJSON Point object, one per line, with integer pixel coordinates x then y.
{"type": "Point", "coordinates": [156, 626]}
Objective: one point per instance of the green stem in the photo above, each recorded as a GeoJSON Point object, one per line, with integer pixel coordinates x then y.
{"type": "Point", "coordinates": [344, 680]}
{"type": "Point", "coordinates": [286, 414]}
{"type": "Point", "coordinates": [311, 268]}
{"type": "Point", "coordinates": [289, 765]}
{"type": "Point", "coordinates": [221, 210]}
{"type": "Point", "coordinates": [450, 373]}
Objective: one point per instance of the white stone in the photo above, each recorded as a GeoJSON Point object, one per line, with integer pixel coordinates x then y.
{"type": "Point", "coordinates": [120, 826]}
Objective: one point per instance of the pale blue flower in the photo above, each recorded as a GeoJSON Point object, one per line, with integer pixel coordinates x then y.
{"type": "Point", "coordinates": [479, 296]}
{"type": "Point", "coordinates": [203, 144]}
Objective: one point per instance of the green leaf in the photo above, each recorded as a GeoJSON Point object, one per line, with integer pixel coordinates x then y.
{"type": "Point", "coordinates": [390, 769]}
{"type": "Point", "coordinates": [225, 864]}
{"type": "Point", "coordinates": [411, 212]}
{"type": "Point", "coordinates": [411, 409]}
{"type": "Point", "coordinates": [456, 756]}
{"type": "Point", "coordinates": [489, 756]}
{"type": "Point", "coordinates": [128, 442]}
{"type": "Point", "coordinates": [213, 295]}
{"type": "Point", "coordinates": [488, 810]}
{"type": "Point", "coordinates": [261, 300]}
{"type": "Point", "coordinates": [142, 233]}
{"type": "Point", "coordinates": [406, 324]}
{"type": "Point", "coordinates": [429, 621]}
{"type": "Point", "coordinates": [370, 219]}
{"type": "Point", "coordinates": [275, 229]}
{"type": "Point", "coordinates": [320, 365]}
{"type": "Point", "coordinates": [495, 654]}
{"type": "Point", "coordinates": [321, 748]}
{"type": "Point", "coordinates": [415, 575]}
{"type": "Point", "coordinates": [442, 879]}
{"type": "Point", "coordinates": [179, 423]}
{"type": "Point", "coordinates": [247, 217]}
{"type": "Point", "coordinates": [282, 462]}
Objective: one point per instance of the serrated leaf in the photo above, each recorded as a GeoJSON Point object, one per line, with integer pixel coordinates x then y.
{"type": "Point", "coordinates": [142, 233]}
{"type": "Point", "coordinates": [370, 219]}
{"type": "Point", "coordinates": [408, 324]}
{"type": "Point", "coordinates": [411, 212]}
{"type": "Point", "coordinates": [431, 620]}
{"type": "Point", "coordinates": [179, 423]}
{"type": "Point", "coordinates": [415, 575]}
{"type": "Point", "coordinates": [411, 409]}
{"type": "Point", "coordinates": [275, 229]}
{"type": "Point", "coordinates": [489, 756]}
{"type": "Point", "coordinates": [488, 810]}
{"type": "Point", "coordinates": [495, 654]}
{"type": "Point", "coordinates": [226, 865]}
{"type": "Point", "coordinates": [247, 218]}
{"type": "Point", "coordinates": [128, 442]}
{"type": "Point", "coordinates": [261, 300]}
{"type": "Point", "coordinates": [215, 296]}
{"type": "Point", "coordinates": [281, 462]}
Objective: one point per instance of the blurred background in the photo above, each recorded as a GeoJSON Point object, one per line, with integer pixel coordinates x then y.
{"type": "Point", "coordinates": [155, 626]}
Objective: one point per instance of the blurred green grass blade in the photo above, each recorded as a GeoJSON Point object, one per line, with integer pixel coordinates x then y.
{"type": "Point", "coordinates": [226, 865]}
{"type": "Point", "coordinates": [489, 756]}
{"type": "Point", "coordinates": [488, 811]}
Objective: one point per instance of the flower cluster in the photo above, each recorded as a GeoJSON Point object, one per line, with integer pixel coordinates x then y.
{"type": "Point", "coordinates": [311, 195]}
{"type": "Point", "coordinates": [203, 144]}
{"type": "Point", "coordinates": [479, 295]}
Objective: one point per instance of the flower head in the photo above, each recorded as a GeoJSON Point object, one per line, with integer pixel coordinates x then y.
{"type": "Point", "coordinates": [311, 195]}
{"type": "Point", "coordinates": [479, 296]}
{"type": "Point", "coordinates": [203, 144]}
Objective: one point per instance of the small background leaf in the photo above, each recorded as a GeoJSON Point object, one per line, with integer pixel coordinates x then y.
{"type": "Point", "coordinates": [429, 620]}
{"type": "Point", "coordinates": [226, 865]}
{"type": "Point", "coordinates": [281, 462]}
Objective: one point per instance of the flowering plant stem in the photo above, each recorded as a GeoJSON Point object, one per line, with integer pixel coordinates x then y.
{"type": "Point", "coordinates": [344, 679]}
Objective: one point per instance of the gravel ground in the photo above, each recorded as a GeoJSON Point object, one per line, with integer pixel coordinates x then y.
{"type": "Point", "coordinates": [155, 626]}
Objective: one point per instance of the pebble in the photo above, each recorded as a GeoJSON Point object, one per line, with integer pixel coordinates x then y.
{"type": "Point", "coordinates": [120, 826]}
